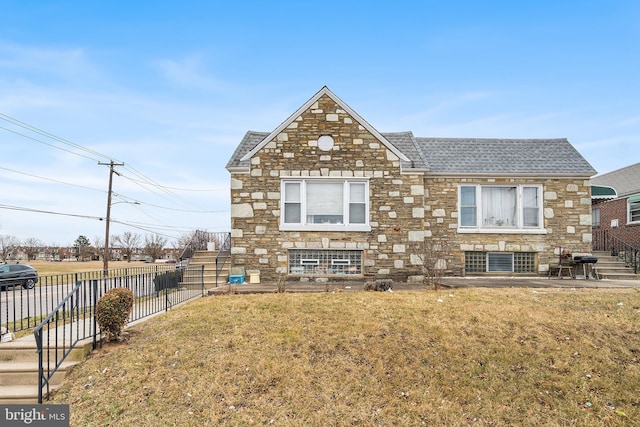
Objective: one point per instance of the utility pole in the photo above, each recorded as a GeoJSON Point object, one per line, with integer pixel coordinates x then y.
{"type": "Point", "coordinates": [111, 164]}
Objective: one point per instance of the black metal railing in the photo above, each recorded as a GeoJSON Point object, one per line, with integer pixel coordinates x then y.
{"type": "Point", "coordinates": [603, 240]}
{"type": "Point", "coordinates": [73, 320]}
{"type": "Point", "coordinates": [223, 254]}
{"type": "Point", "coordinates": [200, 242]}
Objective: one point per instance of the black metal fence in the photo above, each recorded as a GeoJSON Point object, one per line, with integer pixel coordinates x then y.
{"type": "Point", "coordinates": [61, 308]}
{"type": "Point", "coordinates": [23, 309]}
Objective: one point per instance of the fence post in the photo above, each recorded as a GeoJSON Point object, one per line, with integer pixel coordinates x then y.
{"type": "Point", "coordinates": [202, 278]}
{"type": "Point", "coordinates": [94, 285]}
{"type": "Point", "coordinates": [166, 292]}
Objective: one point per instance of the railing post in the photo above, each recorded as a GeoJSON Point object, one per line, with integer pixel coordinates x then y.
{"type": "Point", "coordinates": [94, 320]}
{"type": "Point", "coordinates": [166, 292]}
{"type": "Point", "coordinates": [202, 278]}
{"type": "Point", "coordinates": [38, 337]}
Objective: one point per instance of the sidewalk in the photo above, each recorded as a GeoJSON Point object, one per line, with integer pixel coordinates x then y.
{"type": "Point", "coordinates": [448, 282]}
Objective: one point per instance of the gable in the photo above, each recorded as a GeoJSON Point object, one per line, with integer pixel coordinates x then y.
{"type": "Point", "coordinates": [330, 117]}
{"type": "Point", "coordinates": [438, 156]}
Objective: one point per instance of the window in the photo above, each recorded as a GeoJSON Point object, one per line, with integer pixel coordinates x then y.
{"type": "Point", "coordinates": [498, 208]}
{"type": "Point", "coordinates": [499, 262]}
{"type": "Point", "coordinates": [325, 262]}
{"type": "Point", "coordinates": [323, 204]}
{"type": "Point", "coordinates": [634, 208]}
{"type": "Point", "coordinates": [595, 217]}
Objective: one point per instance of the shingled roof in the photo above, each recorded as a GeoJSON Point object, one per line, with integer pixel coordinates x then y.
{"type": "Point", "coordinates": [626, 180]}
{"type": "Point", "coordinates": [502, 156]}
{"type": "Point", "coordinates": [448, 156]}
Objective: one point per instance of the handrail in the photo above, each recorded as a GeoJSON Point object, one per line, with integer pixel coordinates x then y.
{"type": "Point", "coordinates": [223, 254]}
{"type": "Point", "coordinates": [74, 320]}
{"type": "Point", "coordinates": [603, 240]}
{"type": "Point", "coordinates": [60, 313]}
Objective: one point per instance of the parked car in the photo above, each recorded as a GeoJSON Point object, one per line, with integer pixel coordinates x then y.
{"type": "Point", "coordinates": [17, 275]}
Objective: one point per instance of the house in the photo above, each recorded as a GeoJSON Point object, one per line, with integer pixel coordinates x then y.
{"type": "Point", "coordinates": [616, 206]}
{"type": "Point", "coordinates": [326, 196]}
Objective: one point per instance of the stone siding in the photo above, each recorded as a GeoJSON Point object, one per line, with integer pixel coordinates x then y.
{"type": "Point", "coordinates": [566, 216]}
{"type": "Point", "coordinates": [404, 209]}
{"type": "Point", "coordinates": [396, 207]}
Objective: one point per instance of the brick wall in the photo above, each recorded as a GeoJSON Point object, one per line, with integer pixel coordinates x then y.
{"type": "Point", "coordinates": [617, 210]}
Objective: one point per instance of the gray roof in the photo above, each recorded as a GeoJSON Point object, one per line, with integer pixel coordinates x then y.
{"type": "Point", "coordinates": [626, 181]}
{"type": "Point", "coordinates": [502, 156]}
{"type": "Point", "coordinates": [446, 156]}
{"type": "Point", "coordinates": [462, 156]}
{"type": "Point", "coordinates": [406, 143]}
{"type": "Point", "coordinates": [250, 140]}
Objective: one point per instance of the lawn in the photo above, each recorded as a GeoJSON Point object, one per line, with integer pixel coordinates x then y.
{"type": "Point", "coordinates": [478, 356]}
{"type": "Point", "coordinates": [49, 267]}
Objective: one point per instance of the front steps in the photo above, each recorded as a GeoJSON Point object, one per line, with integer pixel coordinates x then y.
{"type": "Point", "coordinates": [610, 267]}
{"type": "Point", "coordinates": [208, 260]}
{"type": "Point", "coordinates": [19, 370]}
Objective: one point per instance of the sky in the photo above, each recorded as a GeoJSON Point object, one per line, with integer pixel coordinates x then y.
{"type": "Point", "coordinates": [169, 88]}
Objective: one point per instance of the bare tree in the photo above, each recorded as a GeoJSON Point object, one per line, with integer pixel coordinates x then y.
{"type": "Point", "coordinates": [8, 244]}
{"type": "Point", "coordinates": [31, 247]}
{"type": "Point", "coordinates": [153, 245]}
{"type": "Point", "coordinates": [98, 243]}
{"type": "Point", "coordinates": [128, 242]}
{"type": "Point", "coordinates": [430, 255]}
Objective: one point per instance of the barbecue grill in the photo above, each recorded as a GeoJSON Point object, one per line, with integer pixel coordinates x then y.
{"type": "Point", "coordinates": [587, 262]}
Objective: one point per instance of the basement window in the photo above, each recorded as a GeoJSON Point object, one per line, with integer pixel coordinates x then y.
{"type": "Point", "coordinates": [500, 262]}
{"type": "Point", "coordinates": [325, 262]}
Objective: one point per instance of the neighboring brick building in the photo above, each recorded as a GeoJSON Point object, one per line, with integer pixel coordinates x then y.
{"type": "Point", "coordinates": [326, 195]}
{"type": "Point", "coordinates": [619, 213]}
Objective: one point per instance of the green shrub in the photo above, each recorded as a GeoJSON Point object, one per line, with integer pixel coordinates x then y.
{"type": "Point", "coordinates": [167, 280]}
{"type": "Point", "coordinates": [112, 312]}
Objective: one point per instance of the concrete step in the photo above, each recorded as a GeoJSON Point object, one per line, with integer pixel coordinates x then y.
{"type": "Point", "coordinates": [26, 373]}
{"type": "Point", "coordinates": [25, 350]}
{"type": "Point", "coordinates": [613, 268]}
{"type": "Point", "coordinates": [18, 394]}
{"type": "Point", "coordinates": [19, 369]}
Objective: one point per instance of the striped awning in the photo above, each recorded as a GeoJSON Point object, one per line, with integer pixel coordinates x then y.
{"type": "Point", "coordinates": [603, 192]}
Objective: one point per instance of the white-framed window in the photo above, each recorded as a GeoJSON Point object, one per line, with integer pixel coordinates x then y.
{"type": "Point", "coordinates": [325, 204]}
{"type": "Point", "coordinates": [633, 208]}
{"type": "Point", "coordinates": [500, 208]}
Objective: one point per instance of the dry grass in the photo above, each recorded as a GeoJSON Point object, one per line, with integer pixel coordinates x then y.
{"type": "Point", "coordinates": [504, 357]}
{"type": "Point", "coordinates": [49, 267]}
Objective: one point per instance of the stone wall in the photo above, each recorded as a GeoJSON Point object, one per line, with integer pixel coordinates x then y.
{"type": "Point", "coordinates": [405, 209]}
{"type": "Point", "coordinates": [566, 216]}
{"type": "Point", "coordinates": [396, 200]}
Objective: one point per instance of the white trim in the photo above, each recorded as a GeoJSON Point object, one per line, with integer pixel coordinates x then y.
{"type": "Point", "coordinates": [629, 222]}
{"type": "Point", "coordinates": [325, 91]}
{"type": "Point", "coordinates": [303, 225]}
{"type": "Point", "coordinates": [468, 230]}
{"type": "Point", "coordinates": [521, 229]}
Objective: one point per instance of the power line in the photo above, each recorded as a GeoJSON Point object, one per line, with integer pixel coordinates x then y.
{"type": "Point", "coordinates": [46, 143]}
{"type": "Point", "coordinates": [48, 135]}
{"type": "Point", "coordinates": [51, 179]}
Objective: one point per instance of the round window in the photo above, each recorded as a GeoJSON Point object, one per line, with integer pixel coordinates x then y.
{"type": "Point", "coordinates": [325, 142]}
